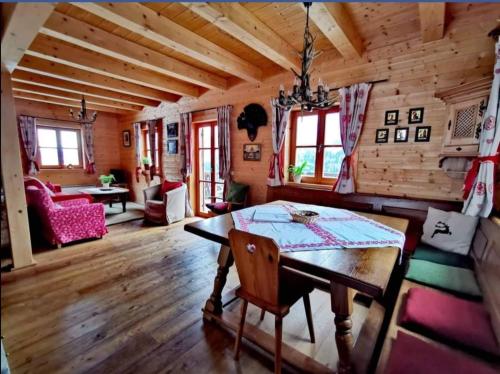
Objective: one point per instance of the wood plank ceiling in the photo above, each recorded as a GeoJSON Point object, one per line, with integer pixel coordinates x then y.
{"type": "Point", "coordinates": [125, 56]}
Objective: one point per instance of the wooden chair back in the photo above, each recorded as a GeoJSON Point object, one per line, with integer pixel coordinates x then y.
{"type": "Point", "coordinates": [257, 263]}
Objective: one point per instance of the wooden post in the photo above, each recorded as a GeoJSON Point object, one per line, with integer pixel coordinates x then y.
{"type": "Point", "coordinates": [12, 179]}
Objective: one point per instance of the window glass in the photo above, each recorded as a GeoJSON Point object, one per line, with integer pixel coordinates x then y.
{"type": "Point", "coordinates": [332, 129]}
{"type": "Point", "coordinates": [205, 137]}
{"type": "Point", "coordinates": [332, 161]}
{"type": "Point", "coordinates": [48, 156]}
{"type": "Point", "coordinates": [308, 155]}
{"type": "Point", "coordinates": [205, 165]}
{"type": "Point", "coordinates": [47, 138]}
{"type": "Point", "coordinates": [307, 130]}
{"type": "Point", "coordinates": [69, 139]}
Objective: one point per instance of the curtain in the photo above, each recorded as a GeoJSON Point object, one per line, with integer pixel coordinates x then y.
{"type": "Point", "coordinates": [280, 115]}
{"type": "Point", "coordinates": [88, 136]}
{"type": "Point", "coordinates": [479, 183]}
{"type": "Point", "coordinates": [353, 101]}
{"type": "Point", "coordinates": [30, 141]}
{"type": "Point", "coordinates": [152, 146]}
{"type": "Point", "coordinates": [223, 120]}
{"type": "Point", "coordinates": [185, 151]}
{"type": "Point", "coordinates": [137, 137]}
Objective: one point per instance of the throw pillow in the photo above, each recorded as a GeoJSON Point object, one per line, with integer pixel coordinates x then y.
{"type": "Point", "coordinates": [449, 231]}
{"type": "Point", "coordinates": [50, 186]}
{"type": "Point", "coordinates": [169, 186]}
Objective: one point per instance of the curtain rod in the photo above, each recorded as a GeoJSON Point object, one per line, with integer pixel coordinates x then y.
{"type": "Point", "coordinates": [51, 119]}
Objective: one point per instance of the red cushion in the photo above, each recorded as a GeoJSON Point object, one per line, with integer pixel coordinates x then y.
{"type": "Point", "coordinates": [169, 186]}
{"type": "Point", "coordinates": [410, 355]}
{"type": "Point", "coordinates": [450, 318]}
{"type": "Point", "coordinates": [50, 186]}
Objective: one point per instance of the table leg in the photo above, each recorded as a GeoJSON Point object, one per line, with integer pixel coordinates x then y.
{"type": "Point", "coordinates": [123, 198]}
{"type": "Point", "coordinates": [342, 307]}
{"type": "Point", "coordinates": [225, 260]}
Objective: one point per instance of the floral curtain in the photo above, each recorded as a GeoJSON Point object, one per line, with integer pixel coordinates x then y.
{"type": "Point", "coordinates": [185, 152]}
{"type": "Point", "coordinates": [30, 141]}
{"type": "Point", "coordinates": [280, 116]}
{"type": "Point", "coordinates": [480, 180]}
{"type": "Point", "coordinates": [88, 136]}
{"type": "Point", "coordinates": [137, 137]}
{"type": "Point", "coordinates": [152, 146]}
{"type": "Point", "coordinates": [223, 121]}
{"type": "Point", "coordinates": [353, 101]}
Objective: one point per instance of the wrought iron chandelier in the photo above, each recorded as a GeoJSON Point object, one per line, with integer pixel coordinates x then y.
{"type": "Point", "coordinates": [83, 116]}
{"type": "Point", "coordinates": [301, 94]}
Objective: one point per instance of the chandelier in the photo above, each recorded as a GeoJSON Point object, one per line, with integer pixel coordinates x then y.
{"type": "Point", "coordinates": [301, 94]}
{"type": "Point", "coordinates": [83, 116]}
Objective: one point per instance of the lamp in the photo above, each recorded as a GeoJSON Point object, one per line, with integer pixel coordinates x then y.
{"type": "Point", "coordinates": [83, 116]}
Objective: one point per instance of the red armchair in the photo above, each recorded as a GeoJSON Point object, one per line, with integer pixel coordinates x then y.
{"type": "Point", "coordinates": [68, 220]}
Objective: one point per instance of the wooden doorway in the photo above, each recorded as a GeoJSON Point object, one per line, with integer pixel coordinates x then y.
{"type": "Point", "coordinates": [208, 183]}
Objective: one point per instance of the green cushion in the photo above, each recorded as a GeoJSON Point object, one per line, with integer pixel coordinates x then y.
{"type": "Point", "coordinates": [429, 253]}
{"type": "Point", "coordinates": [449, 278]}
{"type": "Point", "coordinates": [237, 192]}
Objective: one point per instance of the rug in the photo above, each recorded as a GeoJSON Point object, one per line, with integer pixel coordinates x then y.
{"type": "Point", "coordinates": [116, 215]}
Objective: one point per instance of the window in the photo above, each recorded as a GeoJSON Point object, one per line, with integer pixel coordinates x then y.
{"type": "Point", "coordinates": [59, 147]}
{"type": "Point", "coordinates": [315, 138]}
{"type": "Point", "coordinates": [146, 147]}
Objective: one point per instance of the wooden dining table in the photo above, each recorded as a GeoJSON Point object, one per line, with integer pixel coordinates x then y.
{"type": "Point", "coordinates": [341, 272]}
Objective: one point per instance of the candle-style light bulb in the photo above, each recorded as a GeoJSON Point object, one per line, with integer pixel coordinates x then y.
{"type": "Point", "coordinates": [320, 82]}
{"type": "Point", "coordinates": [282, 88]}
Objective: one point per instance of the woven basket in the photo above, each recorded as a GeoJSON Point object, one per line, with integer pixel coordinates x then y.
{"type": "Point", "coordinates": [304, 216]}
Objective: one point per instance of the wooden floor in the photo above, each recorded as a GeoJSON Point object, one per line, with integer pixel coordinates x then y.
{"type": "Point", "coordinates": [131, 303]}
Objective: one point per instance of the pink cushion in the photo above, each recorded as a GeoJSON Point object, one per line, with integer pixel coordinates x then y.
{"type": "Point", "coordinates": [450, 318]}
{"type": "Point", "coordinates": [169, 186]}
{"type": "Point", "coordinates": [410, 355]}
{"type": "Point", "coordinates": [32, 181]}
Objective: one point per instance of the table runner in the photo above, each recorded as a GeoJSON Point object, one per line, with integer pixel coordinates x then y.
{"type": "Point", "coordinates": [335, 228]}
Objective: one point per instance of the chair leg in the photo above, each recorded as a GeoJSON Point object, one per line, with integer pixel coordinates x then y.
{"type": "Point", "coordinates": [278, 332]}
{"type": "Point", "coordinates": [262, 313]}
{"type": "Point", "coordinates": [307, 307]}
{"type": "Point", "coordinates": [237, 344]}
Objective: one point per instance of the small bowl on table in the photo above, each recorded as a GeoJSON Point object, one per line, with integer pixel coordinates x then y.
{"type": "Point", "coordinates": [304, 216]}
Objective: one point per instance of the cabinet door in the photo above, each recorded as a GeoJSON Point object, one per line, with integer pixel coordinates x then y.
{"type": "Point", "coordinates": [464, 122]}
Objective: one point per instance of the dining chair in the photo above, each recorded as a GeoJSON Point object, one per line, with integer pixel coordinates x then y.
{"type": "Point", "coordinates": [267, 285]}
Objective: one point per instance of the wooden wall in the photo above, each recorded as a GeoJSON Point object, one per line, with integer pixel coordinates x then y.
{"type": "Point", "coordinates": [415, 72]}
{"type": "Point", "coordinates": [107, 144]}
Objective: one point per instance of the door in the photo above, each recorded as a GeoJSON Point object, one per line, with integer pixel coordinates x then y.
{"type": "Point", "coordinates": [208, 183]}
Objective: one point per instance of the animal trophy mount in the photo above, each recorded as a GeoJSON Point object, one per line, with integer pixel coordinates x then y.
{"type": "Point", "coordinates": [252, 117]}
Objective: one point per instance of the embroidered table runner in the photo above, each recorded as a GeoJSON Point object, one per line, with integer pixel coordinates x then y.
{"type": "Point", "coordinates": [335, 228]}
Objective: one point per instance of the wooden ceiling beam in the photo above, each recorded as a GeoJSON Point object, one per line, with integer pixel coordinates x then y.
{"type": "Point", "coordinates": [336, 24]}
{"type": "Point", "coordinates": [149, 24]}
{"type": "Point", "coordinates": [20, 25]}
{"type": "Point", "coordinates": [58, 51]}
{"type": "Point", "coordinates": [29, 88]}
{"type": "Point", "coordinates": [240, 23]}
{"type": "Point", "coordinates": [432, 19]}
{"type": "Point", "coordinates": [68, 103]}
{"type": "Point", "coordinates": [79, 33]}
{"type": "Point", "coordinates": [55, 70]}
{"type": "Point", "coordinates": [67, 86]}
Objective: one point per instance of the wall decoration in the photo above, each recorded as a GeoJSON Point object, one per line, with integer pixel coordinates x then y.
{"type": "Point", "coordinates": [252, 152]}
{"type": "Point", "coordinates": [423, 134]}
{"type": "Point", "coordinates": [391, 117]}
{"type": "Point", "coordinates": [172, 147]}
{"type": "Point", "coordinates": [416, 115]}
{"type": "Point", "coordinates": [172, 130]}
{"type": "Point", "coordinates": [382, 136]}
{"type": "Point", "coordinates": [401, 135]}
{"type": "Point", "coordinates": [126, 138]}
{"type": "Point", "coordinates": [252, 117]}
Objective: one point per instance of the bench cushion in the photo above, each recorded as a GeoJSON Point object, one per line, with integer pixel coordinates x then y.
{"type": "Point", "coordinates": [449, 278]}
{"type": "Point", "coordinates": [449, 318]}
{"type": "Point", "coordinates": [429, 253]}
{"type": "Point", "coordinates": [426, 358]}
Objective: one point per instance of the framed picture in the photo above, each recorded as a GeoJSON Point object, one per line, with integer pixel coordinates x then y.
{"type": "Point", "coordinates": [391, 117]}
{"type": "Point", "coordinates": [251, 152]}
{"type": "Point", "coordinates": [126, 138]}
{"type": "Point", "coordinates": [382, 136]}
{"type": "Point", "coordinates": [172, 147]}
{"type": "Point", "coordinates": [172, 130]}
{"type": "Point", "coordinates": [416, 115]}
{"type": "Point", "coordinates": [401, 135]}
{"type": "Point", "coordinates": [423, 134]}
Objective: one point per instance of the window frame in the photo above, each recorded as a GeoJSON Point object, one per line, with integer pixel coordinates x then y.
{"type": "Point", "coordinates": [320, 143]}
{"type": "Point", "coordinates": [60, 148]}
{"type": "Point", "coordinates": [146, 150]}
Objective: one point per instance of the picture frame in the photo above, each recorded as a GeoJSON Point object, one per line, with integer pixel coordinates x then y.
{"type": "Point", "coordinates": [382, 136]}
{"type": "Point", "coordinates": [401, 135]}
{"type": "Point", "coordinates": [252, 152]}
{"type": "Point", "coordinates": [173, 130]}
{"type": "Point", "coordinates": [416, 115]}
{"type": "Point", "coordinates": [391, 117]}
{"type": "Point", "coordinates": [423, 134]}
{"type": "Point", "coordinates": [172, 147]}
{"type": "Point", "coordinates": [126, 138]}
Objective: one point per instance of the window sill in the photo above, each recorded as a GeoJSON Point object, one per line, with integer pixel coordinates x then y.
{"type": "Point", "coordinates": [60, 169]}
{"type": "Point", "coordinates": [310, 186]}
